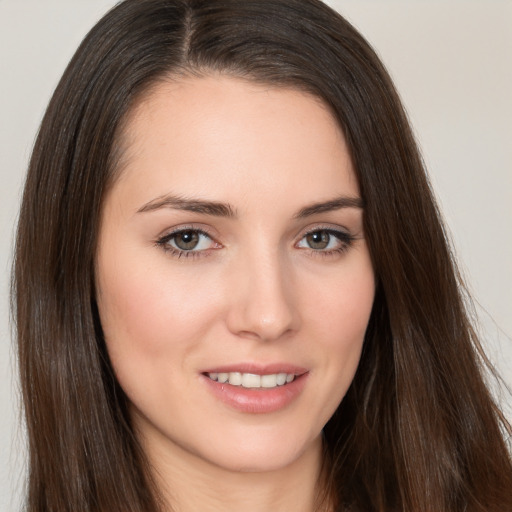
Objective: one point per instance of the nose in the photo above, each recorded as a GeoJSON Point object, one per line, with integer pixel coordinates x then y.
{"type": "Point", "coordinates": [263, 301]}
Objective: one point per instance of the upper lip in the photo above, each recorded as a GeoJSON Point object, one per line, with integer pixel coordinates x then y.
{"type": "Point", "coordinates": [258, 369]}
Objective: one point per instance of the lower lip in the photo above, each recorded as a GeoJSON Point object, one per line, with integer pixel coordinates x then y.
{"type": "Point", "coordinates": [257, 400]}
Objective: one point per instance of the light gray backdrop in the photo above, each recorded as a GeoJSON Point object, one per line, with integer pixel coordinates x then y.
{"type": "Point", "coordinates": [451, 61]}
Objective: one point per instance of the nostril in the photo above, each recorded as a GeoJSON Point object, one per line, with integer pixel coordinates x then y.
{"type": "Point", "coordinates": [262, 306]}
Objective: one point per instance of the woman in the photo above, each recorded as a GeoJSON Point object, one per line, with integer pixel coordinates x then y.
{"type": "Point", "coordinates": [227, 196]}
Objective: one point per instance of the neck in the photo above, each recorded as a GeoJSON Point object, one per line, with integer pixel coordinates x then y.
{"type": "Point", "coordinates": [188, 483]}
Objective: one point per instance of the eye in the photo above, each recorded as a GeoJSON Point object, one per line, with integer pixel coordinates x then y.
{"type": "Point", "coordinates": [185, 242]}
{"type": "Point", "coordinates": [326, 241]}
{"type": "Point", "coordinates": [188, 240]}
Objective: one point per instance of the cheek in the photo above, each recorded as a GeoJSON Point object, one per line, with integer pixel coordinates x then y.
{"type": "Point", "coordinates": [338, 314]}
{"type": "Point", "coordinates": [340, 308]}
{"type": "Point", "coordinates": [142, 308]}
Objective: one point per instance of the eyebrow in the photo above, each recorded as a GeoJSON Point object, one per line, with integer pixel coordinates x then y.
{"type": "Point", "coordinates": [218, 209]}
{"type": "Point", "coordinates": [190, 205]}
{"type": "Point", "coordinates": [331, 205]}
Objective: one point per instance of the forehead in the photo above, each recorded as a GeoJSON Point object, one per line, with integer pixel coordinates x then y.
{"type": "Point", "coordinates": [218, 135]}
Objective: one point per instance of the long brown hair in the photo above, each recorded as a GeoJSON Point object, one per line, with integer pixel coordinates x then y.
{"type": "Point", "coordinates": [417, 430]}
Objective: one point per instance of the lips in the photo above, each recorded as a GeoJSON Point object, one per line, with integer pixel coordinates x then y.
{"type": "Point", "coordinates": [256, 389]}
{"type": "Point", "coordinates": [252, 380]}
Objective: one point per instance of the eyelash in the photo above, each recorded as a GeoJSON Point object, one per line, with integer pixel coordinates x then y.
{"type": "Point", "coordinates": [346, 240]}
{"type": "Point", "coordinates": [163, 242]}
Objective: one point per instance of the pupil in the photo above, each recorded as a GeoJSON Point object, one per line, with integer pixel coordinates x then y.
{"type": "Point", "coordinates": [318, 240]}
{"type": "Point", "coordinates": [187, 240]}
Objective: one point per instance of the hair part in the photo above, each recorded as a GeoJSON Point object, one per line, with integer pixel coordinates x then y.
{"type": "Point", "coordinates": [417, 429]}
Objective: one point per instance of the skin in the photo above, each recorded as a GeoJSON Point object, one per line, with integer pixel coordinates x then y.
{"type": "Point", "coordinates": [252, 291]}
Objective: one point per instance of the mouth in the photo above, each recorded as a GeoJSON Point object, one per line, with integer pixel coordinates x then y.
{"type": "Point", "coordinates": [252, 380]}
{"type": "Point", "coordinates": [256, 389]}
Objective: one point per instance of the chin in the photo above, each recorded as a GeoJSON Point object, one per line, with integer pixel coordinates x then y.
{"type": "Point", "coordinates": [258, 454]}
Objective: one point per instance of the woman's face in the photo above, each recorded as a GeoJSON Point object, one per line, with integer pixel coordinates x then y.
{"type": "Point", "coordinates": [232, 248]}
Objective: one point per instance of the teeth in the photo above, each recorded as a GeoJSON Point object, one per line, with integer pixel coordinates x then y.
{"type": "Point", "coordinates": [281, 378]}
{"type": "Point", "coordinates": [251, 380]}
{"type": "Point", "coordinates": [235, 379]}
{"type": "Point", "coordinates": [269, 381]}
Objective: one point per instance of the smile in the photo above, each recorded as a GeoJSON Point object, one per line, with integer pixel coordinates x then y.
{"type": "Point", "coordinates": [257, 390]}
{"type": "Point", "coordinates": [252, 380]}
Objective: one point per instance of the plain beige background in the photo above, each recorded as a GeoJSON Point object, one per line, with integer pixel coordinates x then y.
{"type": "Point", "coordinates": [451, 61]}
